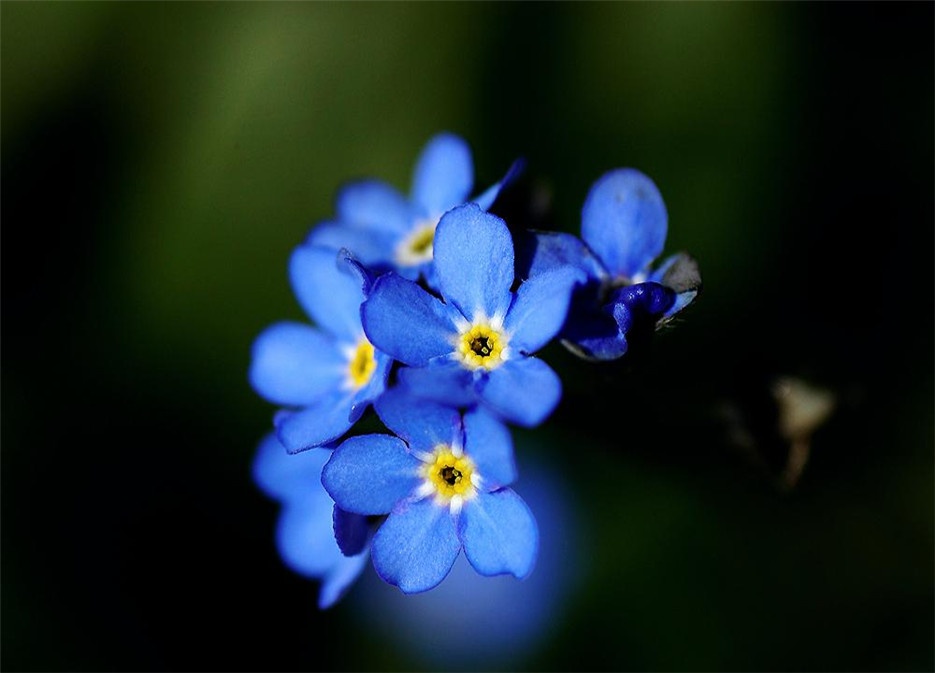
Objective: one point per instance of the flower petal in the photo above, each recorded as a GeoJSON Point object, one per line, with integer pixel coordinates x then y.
{"type": "Point", "coordinates": [423, 425]}
{"type": "Point", "coordinates": [624, 221]}
{"type": "Point", "coordinates": [280, 474]}
{"type": "Point", "coordinates": [541, 251]}
{"type": "Point", "coordinates": [373, 248]}
{"type": "Point", "coordinates": [490, 195]}
{"type": "Point", "coordinates": [500, 534]}
{"type": "Point", "coordinates": [416, 546]}
{"type": "Point", "coordinates": [474, 261]}
{"type": "Point", "coordinates": [442, 380]}
{"type": "Point", "coordinates": [339, 579]}
{"type": "Point", "coordinates": [406, 322]}
{"type": "Point", "coordinates": [304, 537]}
{"type": "Point", "coordinates": [351, 531]}
{"type": "Point", "coordinates": [373, 205]}
{"type": "Point", "coordinates": [317, 424]}
{"type": "Point", "coordinates": [540, 307]}
{"type": "Point", "coordinates": [444, 174]}
{"type": "Point", "coordinates": [295, 364]}
{"type": "Point", "coordinates": [489, 444]}
{"type": "Point", "coordinates": [523, 391]}
{"type": "Point", "coordinates": [593, 334]}
{"type": "Point", "coordinates": [328, 291]}
{"type": "Point", "coordinates": [368, 474]}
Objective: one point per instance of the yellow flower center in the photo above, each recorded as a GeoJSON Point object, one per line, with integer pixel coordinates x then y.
{"type": "Point", "coordinates": [481, 345]}
{"type": "Point", "coordinates": [361, 364]}
{"type": "Point", "coordinates": [417, 247]}
{"type": "Point", "coordinates": [450, 474]}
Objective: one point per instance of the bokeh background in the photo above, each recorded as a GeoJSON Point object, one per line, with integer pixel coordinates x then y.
{"type": "Point", "coordinates": [160, 160]}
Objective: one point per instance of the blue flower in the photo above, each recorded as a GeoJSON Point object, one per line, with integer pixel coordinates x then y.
{"type": "Point", "coordinates": [386, 230]}
{"type": "Point", "coordinates": [623, 230]}
{"type": "Point", "coordinates": [442, 481]}
{"type": "Point", "coordinates": [474, 345]}
{"type": "Point", "coordinates": [325, 376]}
{"type": "Point", "coordinates": [304, 531]}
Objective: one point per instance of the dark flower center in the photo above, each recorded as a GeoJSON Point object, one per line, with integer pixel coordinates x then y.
{"type": "Point", "coordinates": [481, 346]}
{"type": "Point", "coordinates": [450, 475]}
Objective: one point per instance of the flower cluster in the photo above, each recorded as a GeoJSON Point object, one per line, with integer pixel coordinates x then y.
{"type": "Point", "coordinates": [428, 313]}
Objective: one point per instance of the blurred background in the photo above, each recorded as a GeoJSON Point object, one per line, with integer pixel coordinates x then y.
{"type": "Point", "coordinates": [160, 161]}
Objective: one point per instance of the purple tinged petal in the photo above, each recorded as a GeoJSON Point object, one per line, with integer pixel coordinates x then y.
{"type": "Point", "coordinates": [500, 534]}
{"type": "Point", "coordinates": [474, 261]}
{"type": "Point", "coordinates": [406, 322]}
{"type": "Point", "coordinates": [442, 380]}
{"type": "Point", "coordinates": [443, 176]}
{"type": "Point", "coordinates": [340, 578]}
{"type": "Point", "coordinates": [539, 309]}
{"type": "Point", "coordinates": [317, 424]}
{"type": "Point", "coordinates": [328, 291]}
{"type": "Point", "coordinates": [281, 475]}
{"type": "Point", "coordinates": [488, 443]}
{"type": "Point", "coordinates": [295, 364]}
{"type": "Point", "coordinates": [624, 221]}
{"type": "Point", "coordinates": [373, 205]}
{"type": "Point", "coordinates": [368, 474]}
{"type": "Point", "coordinates": [522, 391]}
{"type": "Point", "coordinates": [416, 546]}
{"type": "Point", "coordinates": [421, 424]}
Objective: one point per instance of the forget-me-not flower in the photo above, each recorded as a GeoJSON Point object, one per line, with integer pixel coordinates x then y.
{"type": "Point", "coordinates": [387, 230]}
{"type": "Point", "coordinates": [442, 481]}
{"type": "Point", "coordinates": [475, 343]}
{"type": "Point", "coordinates": [324, 376]}
{"type": "Point", "coordinates": [623, 230]}
{"type": "Point", "coordinates": [304, 530]}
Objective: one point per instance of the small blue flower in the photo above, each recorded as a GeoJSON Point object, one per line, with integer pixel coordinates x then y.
{"type": "Point", "coordinates": [442, 481]}
{"type": "Point", "coordinates": [327, 375]}
{"type": "Point", "coordinates": [388, 231]}
{"type": "Point", "coordinates": [623, 230]}
{"type": "Point", "coordinates": [304, 531]}
{"type": "Point", "coordinates": [475, 344]}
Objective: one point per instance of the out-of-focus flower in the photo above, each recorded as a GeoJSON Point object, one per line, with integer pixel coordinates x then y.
{"type": "Point", "coordinates": [386, 230]}
{"type": "Point", "coordinates": [304, 532]}
{"type": "Point", "coordinates": [623, 230]}
{"type": "Point", "coordinates": [475, 344]}
{"type": "Point", "coordinates": [325, 376]}
{"type": "Point", "coordinates": [442, 481]}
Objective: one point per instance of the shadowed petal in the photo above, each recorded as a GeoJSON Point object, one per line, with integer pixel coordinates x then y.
{"type": "Point", "coordinates": [541, 251]}
{"type": "Point", "coordinates": [489, 444]}
{"type": "Point", "coordinates": [351, 531]}
{"type": "Point", "coordinates": [295, 364]}
{"type": "Point", "coordinates": [499, 534]}
{"type": "Point", "coordinates": [444, 174]}
{"type": "Point", "coordinates": [442, 380]}
{"type": "Point", "coordinates": [523, 391]}
{"type": "Point", "coordinates": [624, 221]}
{"type": "Point", "coordinates": [474, 261]}
{"type": "Point", "coordinates": [416, 546]}
{"type": "Point", "coordinates": [422, 424]}
{"type": "Point", "coordinates": [406, 322]}
{"type": "Point", "coordinates": [328, 291]}
{"type": "Point", "coordinates": [368, 474]}
{"type": "Point", "coordinates": [540, 307]}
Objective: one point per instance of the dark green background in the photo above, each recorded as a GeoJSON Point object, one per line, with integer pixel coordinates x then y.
{"type": "Point", "coordinates": [160, 160]}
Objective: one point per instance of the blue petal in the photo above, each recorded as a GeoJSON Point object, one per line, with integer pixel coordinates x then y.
{"type": "Point", "coordinates": [647, 298]}
{"type": "Point", "coordinates": [416, 546]}
{"type": "Point", "coordinates": [318, 424]}
{"type": "Point", "coordinates": [542, 251]}
{"type": "Point", "coordinates": [444, 174]}
{"type": "Point", "coordinates": [423, 425]}
{"type": "Point", "coordinates": [351, 531]}
{"type": "Point", "coordinates": [442, 380]}
{"type": "Point", "coordinates": [489, 444]}
{"type": "Point", "coordinates": [304, 537]}
{"type": "Point", "coordinates": [540, 307]}
{"type": "Point", "coordinates": [593, 335]}
{"type": "Point", "coordinates": [406, 322]}
{"type": "Point", "coordinates": [523, 391]}
{"type": "Point", "coordinates": [624, 221]}
{"type": "Point", "coordinates": [295, 364]}
{"type": "Point", "coordinates": [373, 205]}
{"type": "Point", "coordinates": [474, 261]}
{"type": "Point", "coordinates": [328, 291]}
{"type": "Point", "coordinates": [368, 474]}
{"type": "Point", "coordinates": [500, 534]}
{"type": "Point", "coordinates": [280, 474]}
{"type": "Point", "coordinates": [373, 248]}
{"type": "Point", "coordinates": [339, 579]}
{"type": "Point", "coordinates": [490, 195]}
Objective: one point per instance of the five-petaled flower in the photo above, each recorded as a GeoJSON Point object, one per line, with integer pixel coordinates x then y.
{"type": "Point", "coordinates": [623, 230]}
{"type": "Point", "coordinates": [326, 376]}
{"type": "Point", "coordinates": [475, 343]}
{"type": "Point", "coordinates": [442, 481]}
{"type": "Point", "coordinates": [386, 230]}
